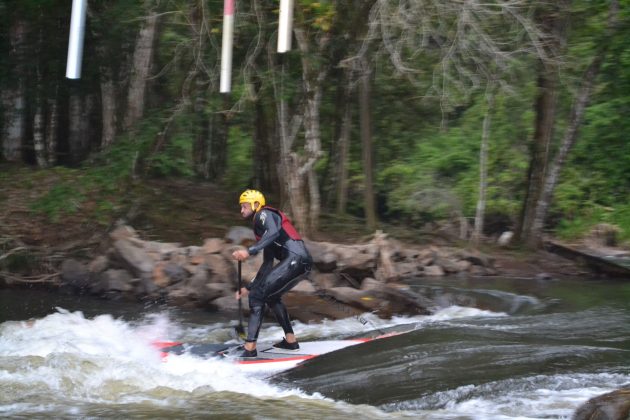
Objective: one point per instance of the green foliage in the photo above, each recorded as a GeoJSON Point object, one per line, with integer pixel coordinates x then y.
{"type": "Point", "coordinates": [320, 13]}
{"type": "Point", "coordinates": [174, 161]}
{"type": "Point", "coordinates": [61, 200]}
{"type": "Point", "coordinates": [239, 160]}
{"type": "Point", "coordinates": [425, 171]}
{"type": "Point", "coordinates": [439, 176]}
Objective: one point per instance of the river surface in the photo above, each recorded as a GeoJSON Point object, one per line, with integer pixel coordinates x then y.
{"type": "Point", "coordinates": [493, 349]}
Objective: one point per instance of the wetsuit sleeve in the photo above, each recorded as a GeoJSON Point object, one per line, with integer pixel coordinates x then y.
{"type": "Point", "coordinates": [269, 223]}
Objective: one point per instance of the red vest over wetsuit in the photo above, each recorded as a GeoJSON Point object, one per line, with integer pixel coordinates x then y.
{"type": "Point", "coordinates": [286, 225]}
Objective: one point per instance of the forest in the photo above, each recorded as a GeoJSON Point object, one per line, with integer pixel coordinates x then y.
{"type": "Point", "coordinates": [486, 116]}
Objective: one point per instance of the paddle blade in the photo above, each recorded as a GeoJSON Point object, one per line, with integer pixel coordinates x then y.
{"type": "Point", "coordinates": [239, 330]}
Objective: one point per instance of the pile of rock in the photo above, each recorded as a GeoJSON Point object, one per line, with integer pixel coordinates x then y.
{"type": "Point", "coordinates": [346, 280]}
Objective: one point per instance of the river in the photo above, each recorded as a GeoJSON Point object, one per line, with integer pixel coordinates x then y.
{"type": "Point", "coordinates": [493, 349]}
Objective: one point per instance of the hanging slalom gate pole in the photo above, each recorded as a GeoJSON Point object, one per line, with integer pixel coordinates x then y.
{"type": "Point", "coordinates": [75, 41]}
{"type": "Point", "coordinates": [285, 26]}
{"type": "Point", "coordinates": [226, 46]}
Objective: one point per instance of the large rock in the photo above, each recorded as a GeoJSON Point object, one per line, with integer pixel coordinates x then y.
{"type": "Point", "coordinates": [385, 301]}
{"type": "Point", "coordinates": [229, 304]}
{"type": "Point", "coordinates": [75, 274]}
{"type": "Point", "coordinates": [240, 235]}
{"type": "Point", "coordinates": [222, 270]}
{"type": "Point", "coordinates": [114, 280]}
{"type": "Point", "coordinates": [307, 307]}
{"type": "Point", "coordinates": [213, 246]}
{"type": "Point", "coordinates": [326, 263]}
{"type": "Point", "coordinates": [611, 406]}
{"type": "Point", "coordinates": [304, 286]}
{"type": "Point", "coordinates": [325, 280]}
{"type": "Point", "coordinates": [136, 257]}
{"type": "Point", "coordinates": [167, 273]}
{"type": "Point", "coordinates": [433, 271]}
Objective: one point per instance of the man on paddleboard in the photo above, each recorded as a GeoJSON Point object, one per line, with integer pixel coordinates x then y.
{"type": "Point", "coordinates": [278, 239]}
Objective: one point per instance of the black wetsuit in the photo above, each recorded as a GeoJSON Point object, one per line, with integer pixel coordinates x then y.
{"type": "Point", "coordinates": [273, 281]}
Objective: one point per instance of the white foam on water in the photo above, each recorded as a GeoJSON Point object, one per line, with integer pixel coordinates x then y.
{"type": "Point", "coordinates": [532, 398]}
{"type": "Point", "coordinates": [66, 359]}
{"type": "Point", "coordinates": [369, 323]}
{"type": "Point", "coordinates": [105, 359]}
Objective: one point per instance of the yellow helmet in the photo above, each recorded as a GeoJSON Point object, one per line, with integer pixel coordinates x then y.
{"type": "Point", "coordinates": [252, 196]}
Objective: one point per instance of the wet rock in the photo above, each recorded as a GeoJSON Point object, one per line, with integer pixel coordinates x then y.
{"type": "Point", "coordinates": [122, 232]}
{"type": "Point", "coordinates": [75, 274]}
{"type": "Point", "coordinates": [325, 280]}
{"type": "Point", "coordinates": [385, 301]}
{"type": "Point", "coordinates": [544, 276]}
{"type": "Point", "coordinates": [113, 280]}
{"type": "Point", "coordinates": [199, 280]}
{"type": "Point", "coordinates": [213, 246]}
{"type": "Point", "coordinates": [326, 263]}
{"type": "Point", "coordinates": [479, 259]}
{"type": "Point", "coordinates": [448, 265]}
{"type": "Point", "coordinates": [611, 406]}
{"type": "Point", "coordinates": [137, 258]}
{"type": "Point", "coordinates": [228, 304]}
{"type": "Point", "coordinates": [408, 269]}
{"type": "Point", "coordinates": [207, 275]}
{"type": "Point", "coordinates": [316, 307]}
{"type": "Point", "coordinates": [222, 270]}
{"type": "Point", "coordinates": [305, 286]}
{"type": "Point", "coordinates": [433, 271]}
{"type": "Point", "coordinates": [99, 264]}
{"type": "Point", "coordinates": [175, 273]}
{"type": "Point", "coordinates": [371, 284]}
{"type": "Point", "coordinates": [240, 235]}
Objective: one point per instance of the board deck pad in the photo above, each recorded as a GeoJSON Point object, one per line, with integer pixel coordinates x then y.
{"type": "Point", "coordinates": [266, 352]}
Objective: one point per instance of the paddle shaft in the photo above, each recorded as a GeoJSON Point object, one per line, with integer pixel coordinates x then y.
{"type": "Point", "coordinates": [240, 328]}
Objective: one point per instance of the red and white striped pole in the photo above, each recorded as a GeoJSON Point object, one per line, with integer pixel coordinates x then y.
{"type": "Point", "coordinates": [226, 46]}
{"type": "Point", "coordinates": [285, 26]}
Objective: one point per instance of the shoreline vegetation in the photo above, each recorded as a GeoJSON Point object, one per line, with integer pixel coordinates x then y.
{"type": "Point", "coordinates": [170, 240]}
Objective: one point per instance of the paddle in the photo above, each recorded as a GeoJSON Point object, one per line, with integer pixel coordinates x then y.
{"type": "Point", "coordinates": [239, 329]}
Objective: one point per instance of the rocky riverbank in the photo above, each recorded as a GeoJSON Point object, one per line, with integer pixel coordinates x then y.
{"type": "Point", "coordinates": [346, 280]}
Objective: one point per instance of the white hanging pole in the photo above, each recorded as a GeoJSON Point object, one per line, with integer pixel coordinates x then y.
{"type": "Point", "coordinates": [226, 46]}
{"type": "Point", "coordinates": [75, 42]}
{"type": "Point", "coordinates": [285, 26]}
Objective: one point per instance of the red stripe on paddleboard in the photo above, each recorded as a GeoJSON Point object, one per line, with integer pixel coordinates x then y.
{"type": "Point", "coordinates": [166, 344]}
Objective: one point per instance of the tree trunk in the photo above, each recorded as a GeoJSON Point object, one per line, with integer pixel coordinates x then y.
{"type": "Point", "coordinates": [554, 22]}
{"type": "Point", "coordinates": [217, 144]}
{"type": "Point", "coordinates": [343, 152]}
{"type": "Point", "coordinates": [14, 99]}
{"type": "Point", "coordinates": [141, 67]}
{"type": "Point", "coordinates": [39, 135]}
{"type": "Point", "coordinates": [312, 146]}
{"type": "Point", "coordinates": [201, 130]}
{"type": "Point", "coordinates": [79, 111]}
{"type": "Point", "coordinates": [51, 132]}
{"type": "Point", "coordinates": [264, 149]}
{"type": "Point", "coordinates": [108, 109]}
{"type": "Point", "coordinates": [570, 136]}
{"type": "Point", "coordinates": [483, 168]}
{"type": "Point", "coordinates": [298, 169]}
{"type": "Point", "coordinates": [365, 118]}
{"type": "Point", "coordinates": [288, 170]}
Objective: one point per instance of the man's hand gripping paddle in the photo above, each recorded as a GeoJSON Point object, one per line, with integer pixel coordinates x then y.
{"type": "Point", "coordinates": [239, 329]}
